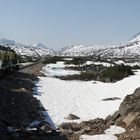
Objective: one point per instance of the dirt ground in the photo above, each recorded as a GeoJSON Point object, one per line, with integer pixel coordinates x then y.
{"type": "Point", "coordinates": [18, 107]}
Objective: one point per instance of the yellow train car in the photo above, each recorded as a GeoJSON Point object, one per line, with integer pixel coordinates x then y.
{"type": "Point", "coordinates": [8, 60]}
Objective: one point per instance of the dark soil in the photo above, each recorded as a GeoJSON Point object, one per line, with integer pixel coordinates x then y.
{"type": "Point", "coordinates": [18, 107]}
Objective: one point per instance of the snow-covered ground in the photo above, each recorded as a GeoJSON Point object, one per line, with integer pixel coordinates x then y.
{"type": "Point", "coordinates": [129, 64]}
{"type": "Point", "coordinates": [105, 64]}
{"type": "Point", "coordinates": [109, 134]}
{"type": "Point", "coordinates": [98, 63]}
{"type": "Point", "coordinates": [58, 70]}
{"type": "Point", "coordinates": [82, 98]}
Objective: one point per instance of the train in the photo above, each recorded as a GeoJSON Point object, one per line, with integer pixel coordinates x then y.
{"type": "Point", "coordinates": [8, 61]}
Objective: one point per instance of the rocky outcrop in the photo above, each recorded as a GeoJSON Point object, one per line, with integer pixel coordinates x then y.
{"type": "Point", "coordinates": [92, 127]}
{"type": "Point", "coordinates": [128, 116]}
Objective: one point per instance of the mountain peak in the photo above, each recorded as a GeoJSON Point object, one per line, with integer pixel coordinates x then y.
{"type": "Point", "coordinates": [40, 45]}
{"type": "Point", "coordinates": [4, 41]}
{"type": "Point", "coordinates": [136, 37]}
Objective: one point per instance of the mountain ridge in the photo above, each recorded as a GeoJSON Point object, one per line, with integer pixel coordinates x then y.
{"type": "Point", "coordinates": [129, 49]}
{"type": "Point", "coordinates": [38, 50]}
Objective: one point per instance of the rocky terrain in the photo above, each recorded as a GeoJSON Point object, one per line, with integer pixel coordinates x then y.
{"type": "Point", "coordinates": [18, 108]}
{"type": "Point", "coordinates": [92, 127]}
{"type": "Point", "coordinates": [128, 116]}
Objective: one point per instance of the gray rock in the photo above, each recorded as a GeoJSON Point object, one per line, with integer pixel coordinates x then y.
{"type": "Point", "coordinates": [111, 99]}
{"type": "Point", "coordinates": [65, 126]}
{"type": "Point", "coordinates": [130, 118]}
{"type": "Point", "coordinates": [74, 130]}
{"type": "Point", "coordinates": [72, 117]}
{"type": "Point", "coordinates": [137, 92]}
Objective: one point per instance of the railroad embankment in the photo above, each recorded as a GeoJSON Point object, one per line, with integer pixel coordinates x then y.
{"type": "Point", "coordinates": [18, 107]}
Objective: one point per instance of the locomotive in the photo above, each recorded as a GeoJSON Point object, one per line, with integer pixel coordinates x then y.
{"type": "Point", "coordinates": [8, 60]}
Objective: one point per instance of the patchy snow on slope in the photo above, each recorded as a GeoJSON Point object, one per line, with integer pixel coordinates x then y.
{"type": "Point", "coordinates": [82, 98]}
{"type": "Point", "coordinates": [109, 134]}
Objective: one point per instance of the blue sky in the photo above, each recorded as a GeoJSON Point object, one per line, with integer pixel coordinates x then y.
{"type": "Point", "coordinates": [60, 23]}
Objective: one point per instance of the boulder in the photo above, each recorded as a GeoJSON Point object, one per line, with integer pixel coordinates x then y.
{"type": "Point", "coordinates": [72, 117]}
{"type": "Point", "coordinates": [130, 103]}
{"type": "Point", "coordinates": [96, 126]}
{"type": "Point", "coordinates": [129, 118]}
{"type": "Point", "coordinates": [137, 92]}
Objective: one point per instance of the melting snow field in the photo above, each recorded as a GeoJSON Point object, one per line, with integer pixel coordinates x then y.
{"type": "Point", "coordinates": [82, 98]}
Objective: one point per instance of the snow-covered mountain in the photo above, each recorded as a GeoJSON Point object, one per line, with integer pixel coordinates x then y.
{"type": "Point", "coordinates": [136, 37]}
{"type": "Point", "coordinates": [40, 45]}
{"type": "Point", "coordinates": [7, 42]}
{"type": "Point", "coordinates": [129, 49]}
{"type": "Point", "coordinates": [38, 50]}
{"type": "Point", "coordinates": [81, 50]}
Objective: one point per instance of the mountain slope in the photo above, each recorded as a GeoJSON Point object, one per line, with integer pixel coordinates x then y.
{"type": "Point", "coordinates": [80, 50]}
{"type": "Point", "coordinates": [136, 37]}
{"type": "Point", "coordinates": [130, 49]}
{"type": "Point", "coordinates": [38, 50]}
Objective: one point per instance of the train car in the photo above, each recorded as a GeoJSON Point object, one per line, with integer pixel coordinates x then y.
{"type": "Point", "coordinates": [8, 60]}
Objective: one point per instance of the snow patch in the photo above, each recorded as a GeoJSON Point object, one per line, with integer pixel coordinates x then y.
{"type": "Point", "coordinates": [98, 137]}
{"type": "Point", "coordinates": [109, 134]}
{"type": "Point", "coordinates": [115, 130]}
{"type": "Point", "coordinates": [57, 69]}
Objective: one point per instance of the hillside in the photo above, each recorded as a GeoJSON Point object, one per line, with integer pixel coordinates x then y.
{"type": "Point", "coordinates": [130, 49]}
{"type": "Point", "coordinates": [38, 50]}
